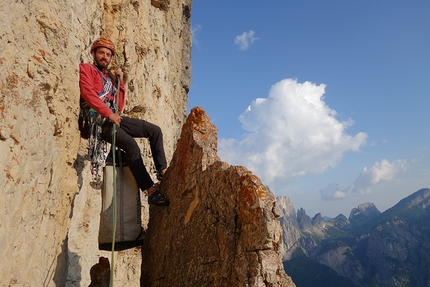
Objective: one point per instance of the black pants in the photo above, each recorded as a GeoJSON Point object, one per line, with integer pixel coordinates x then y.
{"type": "Point", "coordinates": [125, 133]}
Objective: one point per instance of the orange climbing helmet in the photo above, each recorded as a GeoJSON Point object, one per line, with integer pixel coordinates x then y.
{"type": "Point", "coordinates": [103, 42]}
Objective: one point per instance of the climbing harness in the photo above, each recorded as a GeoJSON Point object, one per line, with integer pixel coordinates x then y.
{"type": "Point", "coordinates": [91, 128]}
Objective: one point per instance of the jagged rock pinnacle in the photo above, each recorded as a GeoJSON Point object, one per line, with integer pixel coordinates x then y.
{"type": "Point", "coordinates": [220, 228]}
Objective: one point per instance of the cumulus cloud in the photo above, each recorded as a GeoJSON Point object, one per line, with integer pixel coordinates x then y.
{"type": "Point", "coordinates": [332, 192]}
{"type": "Point", "coordinates": [244, 41]}
{"type": "Point", "coordinates": [380, 171]}
{"type": "Point", "coordinates": [291, 133]}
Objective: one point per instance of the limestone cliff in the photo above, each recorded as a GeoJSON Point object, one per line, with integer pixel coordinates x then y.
{"type": "Point", "coordinates": [290, 226]}
{"type": "Point", "coordinates": [48, 209]}
{"type": "Point", "coordinates": [221, 226]}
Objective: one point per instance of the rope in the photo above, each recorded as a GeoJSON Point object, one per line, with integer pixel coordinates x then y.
{"type": "Point", "coordinates": [118, 82]}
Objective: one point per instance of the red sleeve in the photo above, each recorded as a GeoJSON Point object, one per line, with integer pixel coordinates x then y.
{"type": "Point", "coordinates": [90, 84]}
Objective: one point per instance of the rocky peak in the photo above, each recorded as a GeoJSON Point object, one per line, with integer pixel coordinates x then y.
{"type": "Point", "coordinates": [303, 220]}
{"type": "Point", "coordinates": [221, 227]}
{"type": "Point", "coordinates": [419, 199]}
{"type": "Point", "coordinates": [289, 225]}
{"type": "Point", "coordinates": [288, 211]}
{"type": "Point", "coordinates": [318, 222]}
{"type": "Point", "coordinates": [363, 213]}
{"type": "Point", "coordinates": [339, 221]}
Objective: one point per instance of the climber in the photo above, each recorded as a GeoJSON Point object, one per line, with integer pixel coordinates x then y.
{"type": "Point", "coordinates": [98, 93]}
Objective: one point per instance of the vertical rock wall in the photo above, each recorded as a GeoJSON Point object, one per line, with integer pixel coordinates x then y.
{"type": "Point", "coordinates": [48, 209]}
{"type": "Point", "coordinates": [290, 226]}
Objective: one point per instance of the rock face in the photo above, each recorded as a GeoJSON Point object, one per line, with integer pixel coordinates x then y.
{"type": "Point", "coordinates": [288, 219]}
{"type": "Point", "coordinates": [397, 243]}
{"type": "Point", "coordinates": [339, 221]}
{"type": "Point", "coordinates": [100, 273]}
{"type": "Point", "coordinates": [362, 214]}
{"type": "Point", "coordinates": [221, 227]}
{"type": "Point", "coordinates": [318, 222]}
{"type": "Point", "coordinates": [49, 211]}
{"type": "Point", "coordinates": [371, 248]}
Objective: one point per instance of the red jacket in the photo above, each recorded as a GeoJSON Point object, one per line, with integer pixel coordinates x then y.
{"type": "Point", "coordinates": [91, 85]}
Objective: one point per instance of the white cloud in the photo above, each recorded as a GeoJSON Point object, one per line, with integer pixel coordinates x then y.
{"type": "Point", "coordinates": [194, 30]}
{"type": "Point", "coordinates": [380, 171]}
{"type": "Point", "coordinates": [332, 192]}
{"type": "Point", "coordinates": [291, 133]}
{"type": "Point", "coordinates": [245, 40]}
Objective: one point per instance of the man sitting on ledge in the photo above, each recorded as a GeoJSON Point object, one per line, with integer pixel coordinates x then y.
{"type": "Point", "coordinates": [98, 93]}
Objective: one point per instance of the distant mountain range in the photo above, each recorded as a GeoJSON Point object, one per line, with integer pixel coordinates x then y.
{"type": "Point", "coordinates": [367, 249]}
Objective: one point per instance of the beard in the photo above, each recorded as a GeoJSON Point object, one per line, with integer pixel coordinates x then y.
{"type": "Point", "coordinates": [102, 63]}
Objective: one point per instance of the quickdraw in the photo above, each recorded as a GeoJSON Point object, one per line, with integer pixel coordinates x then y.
{"type": "Point", "coordinates": [97, 147]}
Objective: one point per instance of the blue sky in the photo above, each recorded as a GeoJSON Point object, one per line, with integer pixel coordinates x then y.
{"type": "Point", "coordinates": [325, 101]}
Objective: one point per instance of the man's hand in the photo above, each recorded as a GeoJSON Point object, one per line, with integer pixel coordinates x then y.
{"type": "Point", "coordinates": [115, 118]}
{"type": "Point", "coordinates": [119, 73]}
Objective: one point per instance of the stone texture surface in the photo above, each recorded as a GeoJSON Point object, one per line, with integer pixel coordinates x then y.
{"type": "Point", "coordinates": [49, 208]}
{"type": "Point", "coordinates": [221, 227]}
{"type": "Point", "coordinates": [380, 249]}
{"type": "Point", "coordinates": [362, 214]}
{"type": "Point", "coordinates": [49, 211]}
{"type": "Point", "coordinates": [288, 220]}
{"type": "Point", "coordinates": [100, 273]}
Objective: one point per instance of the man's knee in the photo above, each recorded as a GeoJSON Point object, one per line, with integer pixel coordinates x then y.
{"type": "Point", "coordinates": [156, 131]}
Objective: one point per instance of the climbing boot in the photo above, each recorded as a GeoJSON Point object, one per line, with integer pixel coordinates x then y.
{"type": "Point", "coordinates": [158, 198]}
